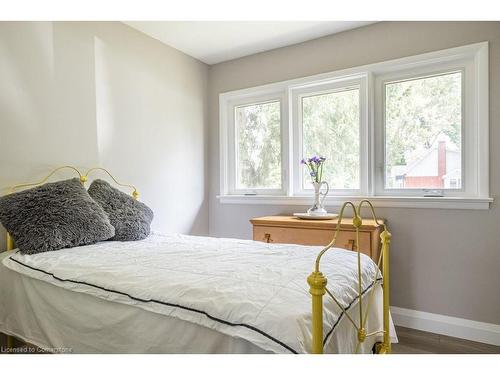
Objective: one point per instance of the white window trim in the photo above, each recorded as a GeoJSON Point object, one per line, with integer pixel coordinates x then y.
{"type": "Point", "coordinates": [477, 198]}
{"type": "Point", "coordinates": [469, 138]}
{"type": "Point", "coordinates": [377, 201]}
{"type": "Point", "coordinates": [231, 146]}
{"type": "Point", "coordinates": [227, 148]}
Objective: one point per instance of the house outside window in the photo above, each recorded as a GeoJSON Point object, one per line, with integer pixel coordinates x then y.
{"type": "Point", "coordinates": [437, 167]}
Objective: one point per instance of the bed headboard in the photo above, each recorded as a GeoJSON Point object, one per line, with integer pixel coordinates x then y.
{"type": "Point", "coordinates": [83, 179]}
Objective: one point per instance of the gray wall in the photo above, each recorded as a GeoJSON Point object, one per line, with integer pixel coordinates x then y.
{"type": "Point", "coordinates": [102, 93]}
{"type": "Point", "coordinates": [443, 261]}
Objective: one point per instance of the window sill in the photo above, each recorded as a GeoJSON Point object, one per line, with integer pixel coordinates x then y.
{"type": "Point", "coordinates": [378, 201]}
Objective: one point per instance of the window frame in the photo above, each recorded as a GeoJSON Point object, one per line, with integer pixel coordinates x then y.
{"type": "Point", "coordinates": [467, 139]}
{"type": "Point", "coordinates": [230, 164]}
{"type": "Point", "coordinates": [337, 85]}
{"type": "Point", "coordinates": [475, 133]}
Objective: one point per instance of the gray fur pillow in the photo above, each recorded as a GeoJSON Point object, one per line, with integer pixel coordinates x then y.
{"type": "Point", "coordinates": [131, 218]}
{"type": "Point", "coordinates": [54, 216]}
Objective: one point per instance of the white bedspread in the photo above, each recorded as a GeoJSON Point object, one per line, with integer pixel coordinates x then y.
{"type": "Point", "coordinates": [240, 288]}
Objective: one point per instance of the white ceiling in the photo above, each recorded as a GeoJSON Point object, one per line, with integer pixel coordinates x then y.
{"type": "Point", "coordinates": [216, 41]}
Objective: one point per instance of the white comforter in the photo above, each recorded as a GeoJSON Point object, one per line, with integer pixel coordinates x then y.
{"type": "Point", "coordinates": [241, 288]}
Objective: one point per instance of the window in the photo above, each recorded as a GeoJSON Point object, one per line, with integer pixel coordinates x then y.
{"type": "Point", "coordinates": [330, 127]}
{"type": "Point", "coordinates": [330, 120]}
{"type": "Point", "coordinates": [411, 132]}
{"type": "Point", "coordinates": [254, 145]}
{"type": "Point", "coordinates": [423, 132]}
{"type": "Point", "coordinates": [258, 140]}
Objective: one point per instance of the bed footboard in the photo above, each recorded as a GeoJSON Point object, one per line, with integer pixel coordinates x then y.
{"type": "Point", "coordinates": [318, 287]}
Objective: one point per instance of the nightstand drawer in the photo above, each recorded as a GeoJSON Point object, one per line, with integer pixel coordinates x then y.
{"type": "Point", "coordinates": [313, 237]}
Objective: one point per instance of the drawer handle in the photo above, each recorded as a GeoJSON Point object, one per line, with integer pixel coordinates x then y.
{"type": "Point", "coordinates": [351, 245]}
{"type": "Point", "coordinates": [267, 238]}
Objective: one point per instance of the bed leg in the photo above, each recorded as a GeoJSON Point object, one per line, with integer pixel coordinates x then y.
{"type": "Point", "coordinates": [317, 283]}
{"type": "Point", "coordinates": [386, 239]}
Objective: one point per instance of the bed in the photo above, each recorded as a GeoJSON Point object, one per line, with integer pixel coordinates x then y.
{"type": "Point", "coordinates": [174, 293]}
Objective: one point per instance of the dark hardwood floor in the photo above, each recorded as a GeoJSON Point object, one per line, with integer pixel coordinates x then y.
{"type": "Point", "coordinates": [412, 342]}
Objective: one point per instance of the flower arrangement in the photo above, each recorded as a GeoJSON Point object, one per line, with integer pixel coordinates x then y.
{"type": "Point", "coordinates": [315, 166]}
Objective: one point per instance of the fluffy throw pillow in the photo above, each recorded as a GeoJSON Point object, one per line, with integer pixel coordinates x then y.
{"type": "Point", "coordinates": [54, 216]}
{"type": "Point", "coordinates": [131, 218]}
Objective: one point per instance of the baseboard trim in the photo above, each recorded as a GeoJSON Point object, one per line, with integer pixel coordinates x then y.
{"type": "Point", "coordinates": [447, 325]}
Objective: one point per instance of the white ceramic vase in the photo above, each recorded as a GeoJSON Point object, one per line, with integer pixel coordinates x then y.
{"type": "Point", "coordinates": [317, 208]}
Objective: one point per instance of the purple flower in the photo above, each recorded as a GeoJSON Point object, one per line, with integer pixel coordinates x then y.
{"type": "Point", "coordinates": [315, 167]}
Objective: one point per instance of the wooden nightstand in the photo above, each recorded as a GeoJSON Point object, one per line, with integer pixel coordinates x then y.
{"type": "Point", "coordinates": [289, 229]}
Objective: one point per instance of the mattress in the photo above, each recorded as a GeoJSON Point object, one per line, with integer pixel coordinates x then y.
{"type": "Point", "coordinates": [216, 296]}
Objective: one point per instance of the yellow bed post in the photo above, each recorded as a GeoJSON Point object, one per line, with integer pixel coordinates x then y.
{"type": "Point", "coordinates": [10, 242]}
{"type": "Point", "coordinates": [317, 283]}
{"type": "Point", "coordinates": [10, 246]}
{"type": "Point", "coordinates": [386, 239]}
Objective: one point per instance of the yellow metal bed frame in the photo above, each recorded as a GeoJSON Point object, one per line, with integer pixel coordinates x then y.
{"type": "Point", "coordinates": [83, 179]}
{"type": "Point", "coordinates": [317, 281]}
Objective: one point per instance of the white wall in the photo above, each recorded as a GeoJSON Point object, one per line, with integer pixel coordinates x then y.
{"type": "Point", "coordinates": [443, 261]}
{"type": "Point", "coordinates": [104, 94]}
